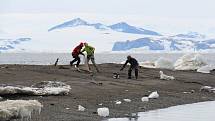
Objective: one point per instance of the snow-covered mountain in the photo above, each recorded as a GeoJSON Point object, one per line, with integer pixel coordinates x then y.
{"type": "Point", "coordinates": [194, 35]}
{"type": "Point", "coordinates": [105, 38]}
{"type": "Point", "coordinates": [165, 44]}
{"type": "Point", "coordinates": [119, 27]}
{"type": "Point", "coordinates": [10, 44]}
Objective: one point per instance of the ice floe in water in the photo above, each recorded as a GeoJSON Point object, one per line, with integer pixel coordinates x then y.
{"type": "Point", "coordinates": [18, 109]}
{"type": "Point", "coordinates": [165, 77]}
{"type": "Point", "coordinates": [42, 88]}
{"type": "Point", "coordinates": [104, 112]}
{"type": "Point", "coordinates": [206, 69]}
{"type": "Point", "coordinates": [189, 62]}
{"type": "Point", "coordinates": [164, 64]}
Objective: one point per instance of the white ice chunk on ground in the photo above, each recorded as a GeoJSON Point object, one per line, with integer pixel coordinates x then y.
{"type": "Point", "coordinates": [42, 88]}
{"type": "Point", "coordinates": [144, 99]}
{"type": "Point", "coordinates": [81, 108]}
{"type": "Point", "coordinates": [165, 77]}
{"type": "Point", "coordinates": [207, 89]}
{"type": "Point", "coordinates": [189, 62]}
{"type": "Point", "coordinates": [164, 64]}
{"type": "Point", "coordinates": [127, 100]}
{"type": "Point", "coordinates": [118, 102]}
{"type": "Point", "coordinates": [153, 95]}
{"type": "Point", "coordinates": [104, 112]}
{"type": "Point", "coordinates": [147, 64]}
{"type": "Point", "coordinates": [206, 69]}
{"type": "Point", "coordinates": [18, 109]}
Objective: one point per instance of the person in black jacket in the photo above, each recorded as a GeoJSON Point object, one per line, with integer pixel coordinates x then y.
{"type": "Point", "coordinates": [133, 66]}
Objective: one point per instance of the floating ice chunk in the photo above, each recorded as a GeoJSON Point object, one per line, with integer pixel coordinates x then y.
{"type": "Point", "coordinates": [81, 108]}
{"type": "Point", "coordinates": [18, 109]}
{"type": "Point", "coordinates": [189, 62]}
{"type": "Point", "coordinates": [165, 77]}
{"type": "Point", "coordinates": [147, 64]}
{"type": "Point", "coordinates": [206, 69]}
{"type": "Point", "coordinates": [164, 64]}
{"type": "Point", "coordinates": [104, 112]}
{"type": "Point", "coordinates": [144, 99]}
{"type": "Point", "coordinates": [118, 102]}
{"type": "Point", "coordinates": [153, 95]}
{"type": "Point", "coordinates": [127, 100]}
{"type": "Point", "coordinates": [42, 88]}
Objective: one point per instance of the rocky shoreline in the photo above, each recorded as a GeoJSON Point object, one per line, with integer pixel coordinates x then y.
{"type": "Point", "coordinates": [95, 90]}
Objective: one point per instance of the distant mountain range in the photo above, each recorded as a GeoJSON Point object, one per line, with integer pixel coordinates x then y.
{"type": "Point", "coordinates": [119, 27]}
{"type": "Point", "coordinates": [116, 37]}
{"type": "Point", "coordinates": [8, 44]}
{"type": "Point", "coordinates": [165, 44]}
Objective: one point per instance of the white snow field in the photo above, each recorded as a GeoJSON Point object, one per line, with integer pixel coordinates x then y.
{"type": "Point", "coordinates": [18, 109]}
{"type": "Point", "coordinates": [40, 89]}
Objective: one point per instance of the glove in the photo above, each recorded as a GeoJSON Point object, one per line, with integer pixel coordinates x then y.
{"type": "Point", "coordinates": [121, 69]}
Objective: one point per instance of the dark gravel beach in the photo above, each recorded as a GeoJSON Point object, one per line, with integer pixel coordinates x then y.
{"type": "Point", "coordinates": [92, 89]}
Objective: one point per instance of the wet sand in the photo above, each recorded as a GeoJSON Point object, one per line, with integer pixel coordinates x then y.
{"type": "Point", "coordinates": [92, 89]}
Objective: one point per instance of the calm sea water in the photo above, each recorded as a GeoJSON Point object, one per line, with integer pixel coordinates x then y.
{"type": "Point", "coordinates": [64, 58]}
{"type": "Point", "coordinates": [203, 111]}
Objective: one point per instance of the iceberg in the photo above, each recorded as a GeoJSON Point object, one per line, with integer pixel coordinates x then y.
{"type": "Point", "coordinates": [189, 62]}
{"type": "Point", "coordinates": [164, 64]}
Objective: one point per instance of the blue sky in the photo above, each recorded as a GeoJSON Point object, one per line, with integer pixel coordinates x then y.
{"type": "Point", "coordinates": [153, 8]}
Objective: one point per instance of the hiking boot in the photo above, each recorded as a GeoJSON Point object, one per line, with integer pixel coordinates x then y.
{"type": "Point", "coordinates": [71, 64]}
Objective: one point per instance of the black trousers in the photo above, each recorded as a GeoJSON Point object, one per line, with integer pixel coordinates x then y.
{"type": "Point", "coordinates": [76, 58]}
{"type": "Point", "coordinates": [135, 68]}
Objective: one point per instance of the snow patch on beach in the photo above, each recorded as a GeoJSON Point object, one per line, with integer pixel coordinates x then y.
{"type": "Point", "coordinates": [18, 109]}
{"type": "Point", "coordinates": [207, 89]}
{"type": "Point", "coordinates": [42, 88]}
{"type": "Point", "coordinates": [165, 77]}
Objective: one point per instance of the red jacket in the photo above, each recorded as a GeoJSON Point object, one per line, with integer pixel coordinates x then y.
{"type": "Point", "coordinates": [77, 50]}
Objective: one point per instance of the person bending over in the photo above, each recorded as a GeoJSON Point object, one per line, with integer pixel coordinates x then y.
{"type": "Point", "coordinates": [133, 66]}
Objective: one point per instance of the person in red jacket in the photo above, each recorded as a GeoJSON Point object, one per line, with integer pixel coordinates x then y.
{"type": "Point", "coordinates": [75, 54]}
